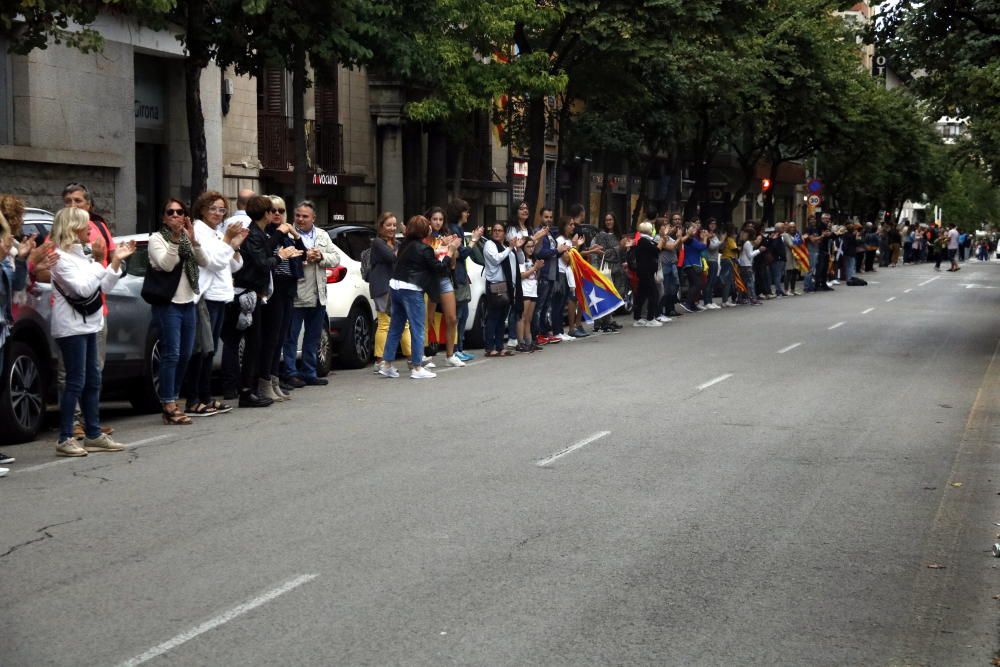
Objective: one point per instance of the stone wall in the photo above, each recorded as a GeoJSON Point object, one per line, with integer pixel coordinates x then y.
{"type": "Point", "coordinates": [40, 185]}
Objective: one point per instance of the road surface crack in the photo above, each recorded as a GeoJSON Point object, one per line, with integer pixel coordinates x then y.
{"type": "Point", "coordinates": [45, 534]}
{"type": "Point", "coordinates": [85, 473]}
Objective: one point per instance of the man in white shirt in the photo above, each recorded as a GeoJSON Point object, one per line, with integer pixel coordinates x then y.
{"type": "Point", "coordinates": [240, 216]}
{"type": "Point", "coordinates": [953, 247]}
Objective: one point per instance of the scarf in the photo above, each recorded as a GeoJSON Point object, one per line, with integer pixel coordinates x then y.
{"type": "Point", "coordinates": [186, 253]}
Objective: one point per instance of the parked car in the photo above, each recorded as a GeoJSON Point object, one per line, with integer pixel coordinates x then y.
{"type": "Point", "coordinates": [350, 334]}
{"type": "Point", "coordinates": [31, 356]}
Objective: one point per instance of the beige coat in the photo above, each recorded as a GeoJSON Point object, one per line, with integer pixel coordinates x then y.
{"type": "Point", "coordinates": [312, 288]}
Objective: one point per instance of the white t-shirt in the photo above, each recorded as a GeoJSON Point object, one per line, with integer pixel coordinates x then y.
{"type": "Point", "coordinates": [530, 284]}
{"type": "Point", "coordinates": [952, 239]}
{"type": "Point", "coordinates": [564, 262]}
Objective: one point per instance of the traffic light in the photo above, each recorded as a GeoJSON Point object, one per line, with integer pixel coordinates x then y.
{"type": "Point", "coordinates": [765, 184]}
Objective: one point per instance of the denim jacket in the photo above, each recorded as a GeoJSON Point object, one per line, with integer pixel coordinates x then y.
{"type": "Point", "coordinates": [548, 250]}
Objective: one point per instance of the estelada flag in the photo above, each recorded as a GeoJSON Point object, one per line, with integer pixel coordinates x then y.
{"type": "Point", "coordinates": [596, 296]}
{"type": "Point", "coordinates": [741, 286]}
{"type": "Point", "coordinates": [801, 257]}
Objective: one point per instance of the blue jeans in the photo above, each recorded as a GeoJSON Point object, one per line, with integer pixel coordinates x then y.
{"type": "Point", "coordinates": [713, 280]}
{"type": "Point", "coordinates": [83, 384]}
{"type": "Point", "coordinates": [313, 318]}
{"type": "Point", "coordinates": [557, 308]}
{"type": "Point", "coordinates": [462, 317]}
{"type": "Point", "coordinates": [671, 285]}
{"type": "Point", "coordinates": [777, 270]}
{"type": "Point", "coordinates": [726, 278]}
{"type": "Point", "coordinates": [540, 325]}
{"type": "Point", "coordinates": [810, 278]}
{"type": "Point", "coordinates": [496, 319]}
{"type": "Point", "coordinates": [178, 323]}
{"type": "Point", "coordinates": [407, 306]}
{"type": "Point", "coordinates": [850, 267]}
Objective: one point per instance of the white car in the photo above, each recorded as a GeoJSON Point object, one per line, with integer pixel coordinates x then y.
{"type": "Point", "coordinates": [350, 334]}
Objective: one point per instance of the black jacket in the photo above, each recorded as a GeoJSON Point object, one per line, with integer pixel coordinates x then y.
{"type": "Point", "coordinates": [647, 256]}
{"type": "Point", "coordinates": [258, 261]}
{"type": "Point", "coordinates": [416, 263]}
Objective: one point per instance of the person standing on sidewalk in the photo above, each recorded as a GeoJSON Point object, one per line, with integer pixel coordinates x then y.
{"type": "Point", "coordinates": [309, 306]}
{"type": "Point", "coordinates": [694, 244]}
{"type": "Point", "coordinates": [712, 258]}
{"type": "Point", "coordinates": [547, 250]}
{"type": "Point", "coordinates": [952, 246]}
{"type": "Point", "coordinates": [78, 281]}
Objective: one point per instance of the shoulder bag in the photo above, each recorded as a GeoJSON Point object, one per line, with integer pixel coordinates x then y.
{"type": "Point", "coordinates": [87, 305]}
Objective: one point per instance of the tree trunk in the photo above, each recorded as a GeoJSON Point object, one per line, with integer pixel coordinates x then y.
{"type": "Point", "coordinates": [536, 151]}
{"type": "Point", "coordinates": [456, 181]}
{"type": "Point", "coordinates": [640, 205]}
{"type": "Point", "coordinates": [299, 119]}
{"type": "Point", "coordinates": [437, 166]}
{"type": "Point", "coordinates": [604, 189]}
{"type": "Point", "coordinates": [196, 127]}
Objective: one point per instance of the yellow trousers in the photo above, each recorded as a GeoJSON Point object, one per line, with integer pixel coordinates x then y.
{"type": "Point", "coordinates": [382, 332]}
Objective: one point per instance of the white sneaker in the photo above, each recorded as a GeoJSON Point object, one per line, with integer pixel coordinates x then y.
{"type": "Point", "coordinates": [662, 318]}
{"type": "Point", "coordinates": [429, 362]}
{"type": "Point", "coordinates": [70, 447]}
{"type": "Point", "coordinates": [453, 360]}
{"type": "Point", "coordinates": [640, 323]}
{"type": "Point", "coordinates": [715, 306]}
{"type": "Point", "coordinates": [421, 374]}
{"type": "Point", "coordinates": [834, 282]}
{"type": "Point", "coordinates": [4, 471]}
{"type": "Point", "coordinates": [654, 323]}
{"type": "Point", "coordinates": [376, 368]}
{"type": "Point", "coordinates": [102, 443]}
{"type": "Point", "coordinates": [728, 304]}
{"type": "Point", "coordinates": [388, 371]}
{"type": "Point", "coordinates": [565, 338]}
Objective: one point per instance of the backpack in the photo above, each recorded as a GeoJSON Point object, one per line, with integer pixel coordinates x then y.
{"type": "Point", "coordinates": [366, 264]}
{"type": "Point", "coordinates": [631, 257]}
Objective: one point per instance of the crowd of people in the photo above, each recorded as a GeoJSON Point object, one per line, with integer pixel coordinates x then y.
{"type": "Point", "coordinates": [251, 278]}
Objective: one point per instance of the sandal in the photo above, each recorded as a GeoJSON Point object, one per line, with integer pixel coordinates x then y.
{"type": "Point", "coordinates": [506, 353]}
{"type": "Point", "coordinates": [220, 407]}
{"type": "Point", "coordinates": [175, 418]}
{"type": "Point", "coordinates": [492, 353]}
{"type": "Point", "coordinates": [199, 410]}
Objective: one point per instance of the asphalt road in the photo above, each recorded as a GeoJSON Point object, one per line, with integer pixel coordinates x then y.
{"type": "Point", "coordinates": [755, 486]}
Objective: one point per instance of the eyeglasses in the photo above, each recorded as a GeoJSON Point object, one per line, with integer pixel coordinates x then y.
{"type": "Point", "coordinates": [217, 209]}
{"type": "Point", "coordinates": [277, 210]}
{"type": "Point", "coordinates": [170, 212]}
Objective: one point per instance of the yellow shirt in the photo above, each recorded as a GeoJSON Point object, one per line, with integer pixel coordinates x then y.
{"type": "Point", "coordinates": [729, 250]}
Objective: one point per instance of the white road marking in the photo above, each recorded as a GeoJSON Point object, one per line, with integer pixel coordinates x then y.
{"type": "Point", "coordinates": [789, 348]}
{"type": "Point", "coordinates": [572, 448]}
{"type": "Point", "coordinates": [717, 380]}
{"type": "Point", "coordinates": [874, 282]}
{"type": "Point", "coordinates": [907, 291]}
{"type": "Point", "coordinates": [836, 326]}
{"type": "Point", "coordinates": [137, 443]}
{"type": "Point", "coordinates": [455, 368]}
{"type": "Point", "coordinates": [890, 299]}
{"type": "Point", "coordinates": [225, 617]}
{"type": "Point", "coordinates": [974, 286]}
{"type": "Point", "coordinates": [865, 312]}
{"type": "Point", "coordinates": [929, 281]}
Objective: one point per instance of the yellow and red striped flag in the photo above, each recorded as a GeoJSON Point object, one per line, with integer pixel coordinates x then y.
{"type": "Point", "coordinates": [741, 286]}
{"type": "Point", "coordinates": [801, 257]}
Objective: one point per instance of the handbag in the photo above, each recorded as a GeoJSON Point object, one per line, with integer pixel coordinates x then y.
{"type": "Point", "coordinates": [497, 295]}
{"type": "Point", "coordinates": [86, 305]}
{"type": "Point", "coordinates": [159, 287]}
{"type": "Point", "coordinates": [463, 293]}
{"type": "Point", "coordinates": [605, 268]}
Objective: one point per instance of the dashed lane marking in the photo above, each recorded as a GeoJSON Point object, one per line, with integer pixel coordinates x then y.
{"type": "Point", "coordinates": [221, 619]}
{"type": "Point", "coordinates": [789, 348]}
{"type": "Point", "coordinates": [572, 448]}
{"type": "Point", "coordinates": [907, 291]}
{"type": "Point", "coordinates": [721, 378]}
{"type": "Point", "coordinates": [836, 326]}
{"type": "Point", "coordinates": [890, 299]}
{"type": "Point", "coordinates": [865, 312]}
{"type": "Point", "coordinates": [928, 281]}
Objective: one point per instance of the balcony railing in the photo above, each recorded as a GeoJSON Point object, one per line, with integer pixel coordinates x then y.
{"type": "Point", "coordinates": [276, 144]}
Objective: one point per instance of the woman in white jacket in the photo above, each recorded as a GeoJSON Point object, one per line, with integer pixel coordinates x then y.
{"type": "Point", "coordinates": [221, 248]}
{"type": "Point", "coordinates": [77, 318]}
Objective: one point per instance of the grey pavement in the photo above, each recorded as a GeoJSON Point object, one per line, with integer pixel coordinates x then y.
{"type": "Point", "coordinates": [784, 515]}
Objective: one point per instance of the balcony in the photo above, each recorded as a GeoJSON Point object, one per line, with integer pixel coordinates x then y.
{"type": "Point", "coordinates": [276, 144]}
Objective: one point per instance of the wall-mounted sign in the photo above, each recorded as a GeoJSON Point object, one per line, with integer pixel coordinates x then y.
{"type": "Point", "coordinates": [521, 168]}
{"type": "Point", "coordinates": [150, 93]}
{"type": "Point", "coordinates": [324, 179]}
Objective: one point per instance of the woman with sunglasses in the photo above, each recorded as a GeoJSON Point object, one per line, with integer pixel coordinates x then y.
{"type": "Point", "coordinates": [277, 312]}
{"type": "Point", "coordinates": [175, 251]}
{"type": "Point", "coordinates": [215, 280]}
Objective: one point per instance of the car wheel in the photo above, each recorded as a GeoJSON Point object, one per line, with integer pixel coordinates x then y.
{"type": "Point", "coordinates": [359, 340]}
{"type": "Point", "coordinates": [476, 336]}
{"type": "Point", "coordinates": [324, 357]}
{"type": "Point", "coordinates": [22, 396]}
{"type": "Point", "coordinates": [147, 399]}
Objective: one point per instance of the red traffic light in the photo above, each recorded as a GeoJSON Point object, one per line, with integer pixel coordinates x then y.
{"type": "Point", "coordinates": [765, 184]}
